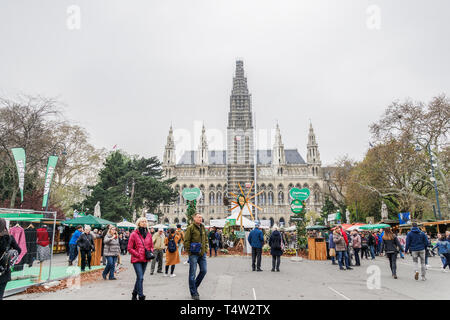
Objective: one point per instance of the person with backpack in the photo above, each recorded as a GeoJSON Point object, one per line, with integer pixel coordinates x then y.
{"type": "Point", "coordinates": [364, 246]}
{"type": "Point", "coordinates": [8, 250]}
{"type": "Point", "coordinates": [172, 254]}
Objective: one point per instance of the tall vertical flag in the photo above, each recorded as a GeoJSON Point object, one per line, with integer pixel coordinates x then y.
{"type": "Point", "coordinates": [19, 158]}
{"type": "Point", "coordinates": [48, 178]}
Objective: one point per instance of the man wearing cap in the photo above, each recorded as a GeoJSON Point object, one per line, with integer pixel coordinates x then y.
{"type": "Point", "coordinates": [256, 240]}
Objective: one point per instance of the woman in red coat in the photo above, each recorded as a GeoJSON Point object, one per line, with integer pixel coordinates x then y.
{"type": "Point", "coordinates": [138, 239]}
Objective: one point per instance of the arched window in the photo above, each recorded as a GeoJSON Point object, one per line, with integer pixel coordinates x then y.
{"type": "Point", "coordinates": [183, 220]}
{"type": "Point", "coordinates": [272, 221]}
{"type": "Point", "coordinates": [166, 220]}
{"type": "Point", "coordinates": [263, 198]}
{"type": "Point", "coordinates": [270, 198]}
{"type": "Point", "coordinates": [211, 198]}
{"type": "Point", "coordinates": [281, 197]}
{"type": "Point", "coordinates": [282, 222]}
{"type": "Point", "coordinates": [176, 221]}
{"type": "Point", "coordinates": [219, 200]}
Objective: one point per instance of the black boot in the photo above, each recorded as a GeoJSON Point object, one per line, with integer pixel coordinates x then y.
{"type": "Point", "coordinates": [142, 298]}
{"type": "Point", "coordinates": [134, 295]}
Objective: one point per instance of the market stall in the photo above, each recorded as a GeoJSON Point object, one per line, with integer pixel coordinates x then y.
{"type": "Point", "coordinates": [126, 225]}
{"type": "Point", "coordinates": [93, 222]}
{"type": "Point", "coordinates": [317, 246]}
{"type": "Point", "coordinates": [34, 231]}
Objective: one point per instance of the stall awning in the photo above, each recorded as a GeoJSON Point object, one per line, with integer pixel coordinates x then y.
{"type": "Point", "coordinates": [89, 220]}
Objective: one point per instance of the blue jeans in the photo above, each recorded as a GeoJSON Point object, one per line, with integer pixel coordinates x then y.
{"type": "Point", "coordinates": [110, 266]}
{"type": "Point", "coordinates": [194, 283]}
{"type": "Point", "coordinates": [372, 252]}
{"type": "Point", "coordinates": [73, 252]}
{"type": "Point", "coordinates": [342, 255]}
{"type": "Point", "coordinates": [139, 268]}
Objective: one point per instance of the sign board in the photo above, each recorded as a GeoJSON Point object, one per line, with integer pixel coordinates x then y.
{"type": "Point", "coordinates": [331, 217]}
{"type": "Point", "coordinates": [232, 222]}
{"type": "Point", "coordinates": [151, 217]}
{"type": "Point", "coordinates": [299, 194]}
{"type": "Point", "coordinates": [239, 234]}
{"type": "Point", "coordinates": [297, 219]}
{"type": "Point", "coordinates": [296, 206]}
{"type": "Point", "coordinates": [191, 194]}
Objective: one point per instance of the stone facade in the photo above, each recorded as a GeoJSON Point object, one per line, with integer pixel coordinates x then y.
{"type": "Point", "coordinates": [218, 172]}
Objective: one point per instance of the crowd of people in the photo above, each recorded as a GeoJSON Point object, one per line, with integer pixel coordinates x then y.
{"type": "Point", "coordinates": [349, 248]}
{"type": "Point", "coordinates": [148, 245]}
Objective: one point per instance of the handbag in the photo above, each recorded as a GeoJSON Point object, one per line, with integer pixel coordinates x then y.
{"type": "Point", "coordinates": [332, 252]}
{"type": "Point", "coordinates": [148, 253]}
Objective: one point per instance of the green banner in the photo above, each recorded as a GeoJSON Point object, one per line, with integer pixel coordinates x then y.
{"type": "Point", "coordinates": [19, 158]}
{"type": "Point", "coordinates": [48, 178]}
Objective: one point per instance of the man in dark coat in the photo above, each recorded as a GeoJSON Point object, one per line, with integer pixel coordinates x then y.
{"type": "Point", "coordinates": [275, 249]}
{"type": "Point", "coordinates": [256, 240]}
{"type": "Point", "coordinates": [86, 244]}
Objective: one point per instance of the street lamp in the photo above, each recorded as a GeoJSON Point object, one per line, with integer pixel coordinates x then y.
{"type": "Point", "coordinates": [432, 179]}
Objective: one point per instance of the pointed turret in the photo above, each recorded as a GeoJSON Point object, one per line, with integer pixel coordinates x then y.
{"type": "Point", "coordinates": [169, 154]}
{"type": "Point", "coordinates": [202, 156]}
{"type": "Point", "coordinates": [278, 155]}
{"type": "Point", "coordinates": [313, 155]}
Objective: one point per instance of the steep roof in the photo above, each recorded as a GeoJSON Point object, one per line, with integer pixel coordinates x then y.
{"type": "Point", "coordinates": [220, 157]}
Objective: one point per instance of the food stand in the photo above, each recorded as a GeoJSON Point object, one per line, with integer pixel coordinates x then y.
{"type": "Point", "coordinates": [317, 246]}
{"type": "Point", "coordinates": [93, 222]}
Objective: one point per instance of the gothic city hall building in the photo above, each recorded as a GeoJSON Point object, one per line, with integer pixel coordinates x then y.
{"type": "Point", "coordinates": [218, 172]}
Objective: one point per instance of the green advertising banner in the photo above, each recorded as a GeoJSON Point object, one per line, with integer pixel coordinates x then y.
{"type": "Point", "coordinates": [191, 194]}
{"type": "Point", "coordinates": [300, 194]}
{"type": "Point", "coordinates": [19, 158]}
{"type": "Point", "coordinates": [48, 178]}
{"type": "Point", "coordinates": [297, 206]}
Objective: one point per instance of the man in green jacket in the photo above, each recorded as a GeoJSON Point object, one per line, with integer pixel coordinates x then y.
{"type": "Point", "coordinates": [196, 238]}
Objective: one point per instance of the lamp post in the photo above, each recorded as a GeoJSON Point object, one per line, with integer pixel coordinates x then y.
{"type": "Point", "coordinates": [433, 179]}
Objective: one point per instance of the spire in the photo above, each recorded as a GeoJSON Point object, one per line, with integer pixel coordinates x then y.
{"type": "Point", "coordinates": [278, 155]}
{"type": "Point", "coordinates": [313, 155]}
{"type": "Point", "coordinates": [240, 115]}
{"type": "Point", "coordinates": [202, 157]}
{"type": "Point", "coordinates": [169, 154]}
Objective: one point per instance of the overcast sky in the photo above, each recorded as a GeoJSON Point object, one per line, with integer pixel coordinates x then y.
{"type": "Point", "coordinates": [128, 69]}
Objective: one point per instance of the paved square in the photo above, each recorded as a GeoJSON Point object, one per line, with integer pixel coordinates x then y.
{"type": "Point", "coordinates": [231, 278]}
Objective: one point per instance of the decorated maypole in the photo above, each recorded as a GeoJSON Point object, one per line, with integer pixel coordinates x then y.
{"type": "Point", "coordinates": [242, 201]}
{"type": "Point", "coordinates": [298, 207]}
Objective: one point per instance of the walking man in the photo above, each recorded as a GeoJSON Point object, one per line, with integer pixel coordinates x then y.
{"type": "Point", "coordinates": [196, 246]}
{"type": "Point", "coordinates": [416, 243]}
{"type": "Point", "coordinates": [159, 246]}
{"type": "Point", "coordinates": [256, 240]}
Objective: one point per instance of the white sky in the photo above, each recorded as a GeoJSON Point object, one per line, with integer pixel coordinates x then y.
{"type": "Point", "coordinates": [134, 67]}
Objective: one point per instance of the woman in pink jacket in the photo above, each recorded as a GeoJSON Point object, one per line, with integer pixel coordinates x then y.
{"type": "Point", "coordinates": [139, 240]}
